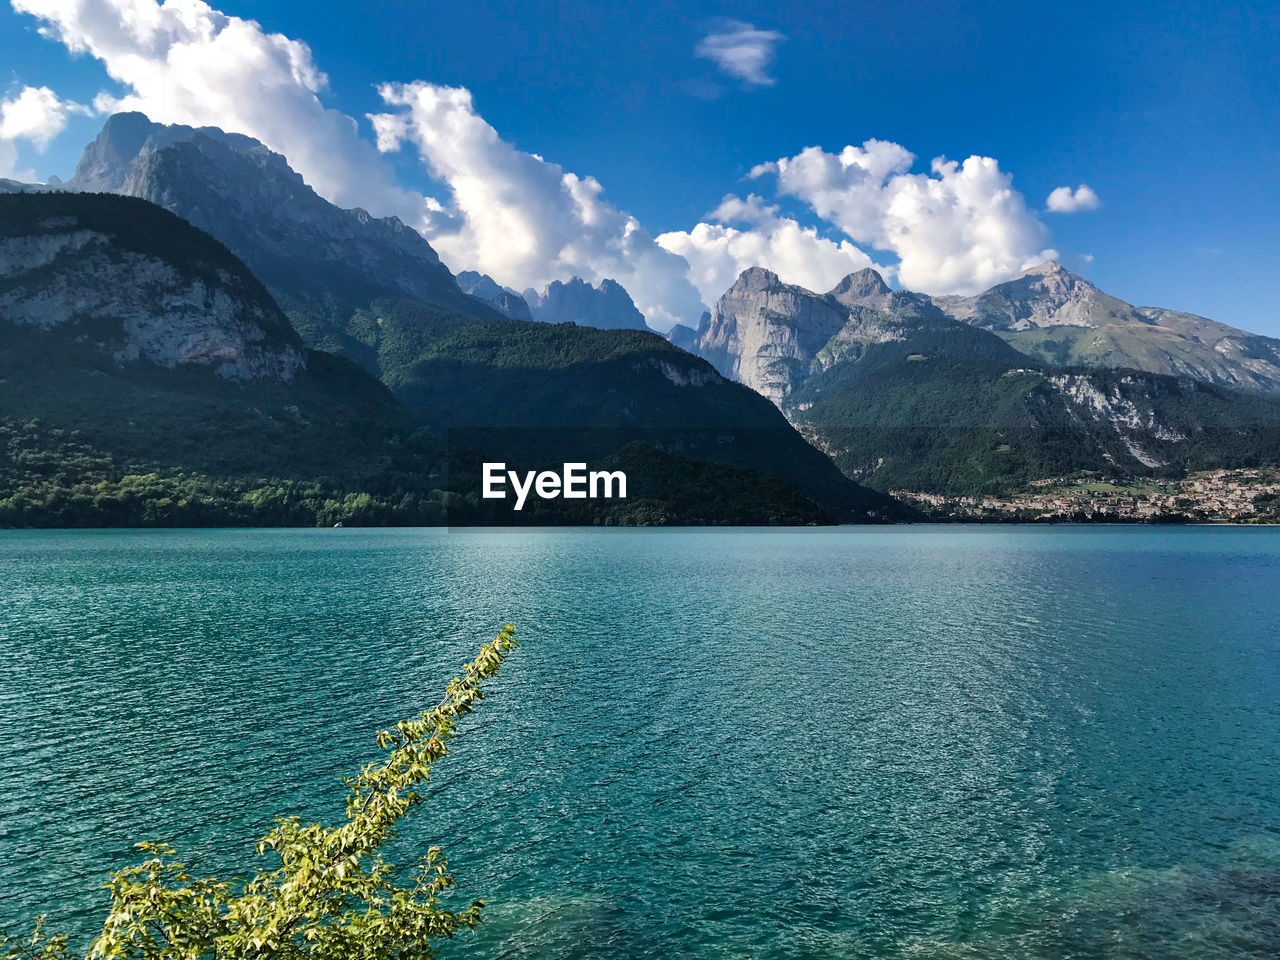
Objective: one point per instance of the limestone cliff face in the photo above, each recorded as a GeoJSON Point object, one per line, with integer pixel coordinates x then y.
{"type": "Point", "coordinates": [70, 264]}
{"type": "Point", "coordinates": [773, 336]}
{"type": "Point", "coordinates": [765, 333]}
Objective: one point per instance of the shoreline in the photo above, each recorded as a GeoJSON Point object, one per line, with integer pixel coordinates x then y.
{"type": "Point", "coordinates": [447, 528]}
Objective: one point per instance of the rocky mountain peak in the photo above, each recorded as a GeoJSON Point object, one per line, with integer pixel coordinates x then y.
{"type": "Point", "coordinates": [607, 306]}
{"type": "Point", "coordinates": [1050, 279]}
{"type": "Point", "coordinates": [121, 139]}
{"type": "Point", "coordinates": [1048, 283]}
{"type": "Point", "coordinates": [478, 284]}
{"type": "Point", "coordinates": [866, 289]}
{"type": "Point", "coordinates": [863, 284]}
{"type": "Point", "coordinates": [107, 162]}
{"type": "Point", "coordinates": [754, 280]}
{"type": "Point", "coordinates": [314, 256]}
{"type": "Point", "coordinates": [1044, 295]}
{"type": "Point", "coordinates": [503, 299]}
{"type": "Point", "coordinates": [762, 331]}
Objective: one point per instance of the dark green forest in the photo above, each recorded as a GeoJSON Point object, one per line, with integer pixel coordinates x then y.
{"type": "Point", "coordinates": [969, 423]}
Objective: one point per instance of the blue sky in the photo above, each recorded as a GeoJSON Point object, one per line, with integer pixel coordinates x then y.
{"type": "Point", "coordinates": [1169, 113]}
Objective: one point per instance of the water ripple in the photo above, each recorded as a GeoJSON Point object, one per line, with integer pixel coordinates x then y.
{"type": "Point", "coordinates": [956, 743]}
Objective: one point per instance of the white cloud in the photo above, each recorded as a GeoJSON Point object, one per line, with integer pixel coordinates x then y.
{"type": "Point", "coordinates": [958, 229]}
{"type": "Point", "coordinates": [34, 114]}
{"type": "Point", "coordinates": [525, 220]}
{"type": "Point", "coordinates": [185, 62]}
{"type": "Point", "coordinates": [717, 252]}
{"type": "Point", "coordinates": [1065, 200]}
{"type": "Point", "coordinates": [742, 51]}
{"type": "Point", "coordinates": [521, 219]}
{"type": "Point", "coordinates": [511, 214]}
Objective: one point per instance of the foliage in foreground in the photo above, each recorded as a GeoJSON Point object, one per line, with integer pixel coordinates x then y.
{"type": "Point", "coordinates": [332, 897]}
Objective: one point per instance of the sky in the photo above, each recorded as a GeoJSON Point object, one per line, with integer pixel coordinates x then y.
{"type": "Point", "coordinates": [671, 145]}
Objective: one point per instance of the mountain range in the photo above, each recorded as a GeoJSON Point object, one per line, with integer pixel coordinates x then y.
{"type": "Point", "coordinates": [187, 309]}
{"type": "Point", "coordinates": [465, 380]}
{"type": "Point", "coordinates": [772, 334]}
{"type": "Point", "coordinates": [1041, 376]}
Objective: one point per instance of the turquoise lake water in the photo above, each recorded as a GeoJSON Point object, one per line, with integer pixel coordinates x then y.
{"type": "Point", "coordinates": [978, 743]}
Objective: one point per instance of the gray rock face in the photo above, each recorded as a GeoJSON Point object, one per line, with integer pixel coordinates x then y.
{"type": "Point", "coordinates": [1044, 296]}
{"type": "Point", "coordinates": [686, 338]}
{"type": "Point", "coordinates": [766, 333]}
{"type": "Point", "coordinates": [304, 248]}
{"type": "Point", "coordinates": [772, 335]}
{"type": "Point", "coordinates": [503, 299]}
{"type": "Point", "coordinates": [607, 306]}
{"type": "Point", "coordinates": [864, 286]}
{"type": "Point", "coordinates": [867, 288]}
{"type": "Point", "coordinates": [1050, 313]}
{"type": "Point", "coordinates": [61, 274]}
{"type": "Point", "coordinates": [108, 161]}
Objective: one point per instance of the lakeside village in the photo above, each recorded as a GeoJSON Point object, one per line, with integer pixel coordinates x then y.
{"type": "Point", "coordinates": [1216, 496]}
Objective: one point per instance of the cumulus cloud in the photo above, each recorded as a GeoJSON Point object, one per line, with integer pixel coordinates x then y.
{"type": "Point", "coordinates": [521, 218]}
{"type": "Point", "coordinates": [1066, 200]}
{"type": "Point", "coordinates": [717, 252]}
{"type": "Point", "coordinates": [525, 220]}
{"type": "Point", "coordinates": [742, 51]}
{"type": "Point", "coordinates": [958, 229]}
{"type": "Point", "coordinates": [36, 115]}
{"type": "Point", "coordinates": [510, 214]}
{"type": "Point", "coordinates": [185, 62]}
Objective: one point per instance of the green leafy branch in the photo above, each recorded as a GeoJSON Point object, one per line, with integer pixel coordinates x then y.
{"type": "Point", "coordinates": [333, 896]}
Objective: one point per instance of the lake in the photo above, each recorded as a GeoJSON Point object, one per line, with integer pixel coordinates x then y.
{"type": "Point", "coordinates": [914, 742]}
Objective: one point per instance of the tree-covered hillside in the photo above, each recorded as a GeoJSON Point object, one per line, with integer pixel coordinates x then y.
{"type": "Point", "coordinates": [112, 415]}
{"type": "Point", "coordinates": [965, 425]}
{"type": "Point", "coordinates": [553, 392]}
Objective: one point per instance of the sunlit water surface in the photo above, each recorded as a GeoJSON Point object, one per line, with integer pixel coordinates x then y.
{"type": "Point", "coordinates": [886, 743]}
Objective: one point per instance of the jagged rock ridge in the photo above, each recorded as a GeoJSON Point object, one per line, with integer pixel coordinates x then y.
{"type": "Point", "coordinates": [767, 333]}
{"type": "Point", "coordinates": [503, 299]}
{"type": "Point", "coordinates": [606, 306]}
{"type": "Point", "coordinates": [1050, 313]}
{"type": "Point", "coordinates": [317, 259]}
